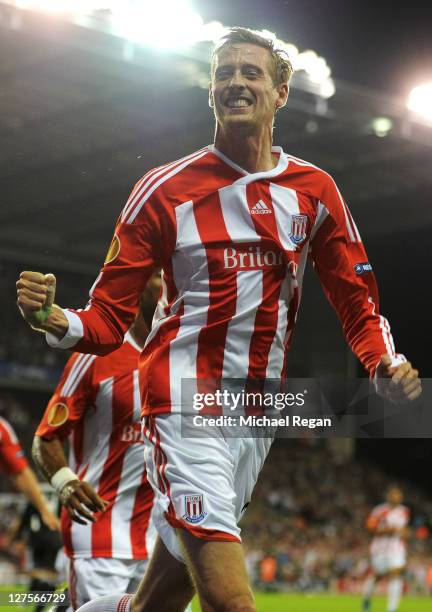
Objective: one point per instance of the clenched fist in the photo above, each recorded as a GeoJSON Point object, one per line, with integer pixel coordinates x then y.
{"type": "Point", "coordinates": [35, 298]}
{"type": "Point", "coordinates": [36, 292]}
{"type": "Point", "coordinates": [399, 383]}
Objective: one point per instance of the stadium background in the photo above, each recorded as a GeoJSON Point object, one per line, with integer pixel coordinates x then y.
{"type": "Point", "coordinates": [85, 111]}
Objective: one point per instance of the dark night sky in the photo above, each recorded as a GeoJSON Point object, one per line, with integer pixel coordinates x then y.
{"type": "Point", "coordinates": [376, 44]}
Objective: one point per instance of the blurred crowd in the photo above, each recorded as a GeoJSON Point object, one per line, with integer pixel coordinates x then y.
{"type": "Point", "coordinates": [305, 527]}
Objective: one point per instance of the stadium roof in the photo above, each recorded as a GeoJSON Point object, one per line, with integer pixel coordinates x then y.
{"type": "Point", "coordinates": [84, 115]}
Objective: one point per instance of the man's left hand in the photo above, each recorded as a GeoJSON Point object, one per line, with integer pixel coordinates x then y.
{"type": "Point", "coordinates": [399, 383]}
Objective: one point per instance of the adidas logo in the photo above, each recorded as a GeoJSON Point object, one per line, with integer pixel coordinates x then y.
{"type": "Point", "coordinates": [261, 208]}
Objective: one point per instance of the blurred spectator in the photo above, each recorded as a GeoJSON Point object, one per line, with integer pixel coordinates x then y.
{"type": "Point", "coordinates": [429, 579]}
{"type": "Point", "coordinates": [268, 569]}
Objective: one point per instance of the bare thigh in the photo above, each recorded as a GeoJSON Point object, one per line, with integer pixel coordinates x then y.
{"type": "Point", "coordinates": [219, 572]}
{"type": "Point", "coordinates": [166, 586]}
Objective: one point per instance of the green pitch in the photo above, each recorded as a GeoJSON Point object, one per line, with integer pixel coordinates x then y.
{"type": "Point", "coordinates": [329, 603]}
{"type": "Point", "coordinates": [296, 603]}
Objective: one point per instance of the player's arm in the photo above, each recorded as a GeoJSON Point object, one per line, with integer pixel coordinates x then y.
{"type": "Point", "coordinates": [348, 281]}
{"type": "Point", "coordinates": [66, 408]}
{"type": "Point", "coordinates": [15, 464]}
{"type": "Point", "coordinates": [405, 531]}
{"type": "Point", "coordinates": [26, 482]}
{"type": "Point", "coordinates": [135, 251]}
{"type": "Point", "coordinates": [78, 496]}
{"type": "Point", "coordinates": [374, 527]}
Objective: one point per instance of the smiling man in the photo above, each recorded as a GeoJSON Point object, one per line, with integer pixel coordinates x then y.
{"type": "Point", "coordinates": [249, 84]}
{"type": "Point", "coordinates": [231, 225]}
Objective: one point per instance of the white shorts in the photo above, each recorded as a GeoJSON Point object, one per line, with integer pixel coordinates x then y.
{"type": "Point", "coordinates": [92, 578]}
{"type": "Point", "coordinates": [382, 564]}
{"type": "Point", "coordinates": [201, 484]}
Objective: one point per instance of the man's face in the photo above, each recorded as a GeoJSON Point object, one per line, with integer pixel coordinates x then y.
{"type": "Point", "coordinates": [242, 89]}
{"type": "Point", "coordinates": [394, 496]}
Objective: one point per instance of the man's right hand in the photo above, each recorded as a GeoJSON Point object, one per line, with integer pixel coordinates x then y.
{"type": "Point", "coordinates": [35, 293]}
{"type": "Point", "coordinates": [79, 498]}
{"type": "Point", "coordinates": [50, 520]}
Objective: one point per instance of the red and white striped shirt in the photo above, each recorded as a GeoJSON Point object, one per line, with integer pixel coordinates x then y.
{"type": "Point", "coordinates": [385, 516]}
{"type": "Point", "coordinates": [233, 248]}
{"type": "Point", "coordinates": [97, 402]}
{"type": "Point", "coordinates": [12, 459]}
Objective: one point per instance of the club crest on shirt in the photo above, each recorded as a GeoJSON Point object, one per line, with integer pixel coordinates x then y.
{"type": "Point", "coordinates": [194, 508]}
{"type": "Point", "coordinates": [58, 415]}
{"type": "Point", "coordinates": [298, 228]}
{"type": "Point", "coordinates": [113, 251]}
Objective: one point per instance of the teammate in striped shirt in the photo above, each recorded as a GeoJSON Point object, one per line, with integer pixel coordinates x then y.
{"type": "Point", "coordinates": [14, 464]}
{"type": "Point", "coordinates": [97, 406]}
{"type": "Point", "coordinates": [231, 225]}
{"type": "Point", "coordinates": [388, 523]}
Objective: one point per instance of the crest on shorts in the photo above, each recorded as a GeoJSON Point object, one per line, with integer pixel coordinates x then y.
{"type": "Point", "coordinates": [194, 508]}
{"type": "Point", "coordinates": [298, 228]}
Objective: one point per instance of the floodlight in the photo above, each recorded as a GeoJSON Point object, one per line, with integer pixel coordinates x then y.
{"type": "Point", "coordinates": [166, 24]}
{"type": "Point", "coordinates": [420, 100]}
{"type": "Point", "coordinates": [382, 126]}
{"type": "Point", "coordinates": [327, 88]}
{"type": "Point", "coordinates": [169, 24]}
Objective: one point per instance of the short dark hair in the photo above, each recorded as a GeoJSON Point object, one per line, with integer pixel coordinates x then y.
{"type": "Point", "coordinates": [280, 62]}
{"type": "Point", "coordinates": [393, 486]}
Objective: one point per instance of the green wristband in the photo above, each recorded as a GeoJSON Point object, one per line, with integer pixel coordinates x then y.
{"type": "Point", "coordinates": [40, 316]}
